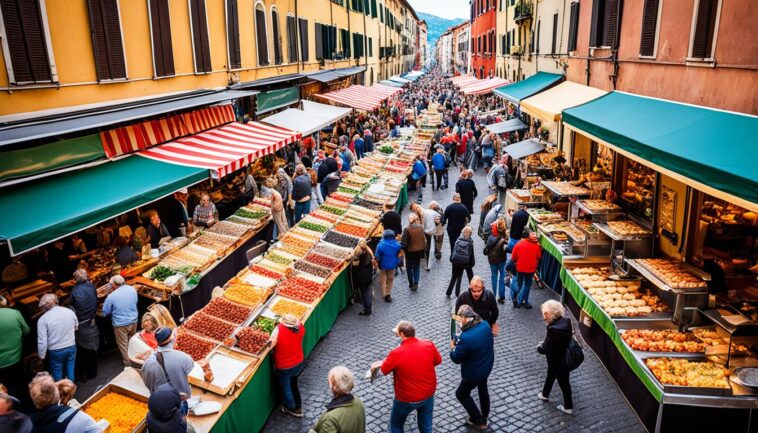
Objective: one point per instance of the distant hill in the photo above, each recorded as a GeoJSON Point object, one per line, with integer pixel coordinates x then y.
{"type": "Point", "coordinates": [437, 26]}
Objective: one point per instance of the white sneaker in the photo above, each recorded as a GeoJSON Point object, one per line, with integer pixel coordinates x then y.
{"type": "Point", "coordinates": [564, 410]}
{"type": "Point", "coordinates": [541, 397]}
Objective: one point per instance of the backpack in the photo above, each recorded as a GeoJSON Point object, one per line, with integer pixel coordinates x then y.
{"type": "Point", "coordinates": [502, 180]}
{"type": "Point", "coordinates": [461, 255]}
{"type": "Point", "coordinates": [574, 355]}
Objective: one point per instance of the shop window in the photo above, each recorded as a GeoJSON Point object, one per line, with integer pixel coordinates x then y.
{"type": "Point", "coordinates": [105, 26]}
{"type": "Point", "coordinates": [639, 190]}
{"type": "Point", "coordinates": [233, 34]}
{"type": "Point", "coordinates": [26, 44]}
{"type": "Point", "coordinates": [200, 42]}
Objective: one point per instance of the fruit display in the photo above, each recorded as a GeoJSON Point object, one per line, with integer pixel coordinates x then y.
{"type": "Point", "coordinates": [682, 372]}
{"type": "Point", "coordinates": [300, 289]}
{"type": "Point", "coordinates": [293, 250]}
{"type": "Point", "coordinates": [312, 226]}
{"type": "Point", "coordinates": [229, 229]}
{"type": "Point", "coordinates": [341, 239]}
{"type": "Point", "coordinates": [369, 205]}
{"type": "Point", "coordinates": [249, 213]}
{"type": "Point", "coordinates": [290, 239]}
{"type": "Point", "coordinates": [278, 259]}
{"type": "Point", "coordinates": [599, 205]}
{"type": "Point", "coordinates": [266, 272]}
{"type": "Point", "coordinates": [228, 311]}
{"type": "Point", "coordinates": [245, 294]}
{"type": "Point", "coordinates": [194, 346]}
{"type": "Point", "coordinates": [326, 216]}
{"type": "Point", "coordinates": [672, 273]}
{"type": "Point", "coordinates": [123, 413]}
{"type": "Point", "coordinates": [332, 209]}
{"type": "Point", "coordinates": [627, 228]}
{"type": "Point", "coordinates": [664, 340]}
{"type": "Point", "coordinates": [252, 339]}
{"type": "Point", "coordinates": [284, 306]}
{"type": "Point", "coordinates": [306, 233]}
{"type": "Point", "coordinates": [617, 298]}
{"type": "Point", "coordinates": [352, 230]}
{"type": "Point", "coordinates": [323, 261]}
{"type": "Point", "coordinates": [209, 326]}
{"type": "Point", "coordinates": [565, 188]}
{"type": "Point", "coordinates": [313, 269]}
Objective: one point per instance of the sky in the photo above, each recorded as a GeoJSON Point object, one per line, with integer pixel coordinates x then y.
{"type": "Point", "coordinates": [442, 8]}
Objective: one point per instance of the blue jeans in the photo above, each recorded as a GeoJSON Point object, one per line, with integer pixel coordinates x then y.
{"type": "Point", "coordinates": [302, 209]}
{"type": "Point", "coordinates": [287, 380]}
{"type": "Point", "coordinates": [401, 410]}
{"type": "Point", "coordinates": [520, 288]}
{"type": "Point", "coordinates": [498, 279]}
{"type": "Point", "coordinates": [62, 362]}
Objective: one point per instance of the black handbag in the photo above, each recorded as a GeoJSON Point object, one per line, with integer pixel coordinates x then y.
{"type": "Point", "coordinates": [574, 355]}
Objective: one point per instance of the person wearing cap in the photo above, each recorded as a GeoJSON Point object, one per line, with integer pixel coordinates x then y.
{"type": "Point", "coordinates": [121, 305]}
{"type": "Point", "coordinates": [482, 301]}
{"type": "Point", "coordinates": [474, 350]}
{"type": "Point", "coordinates": [495, 249]}
{"type": "Point", "coordinates": [345, 413]}
{"type": "Point", "coordinates": [13, 329]}
{"type": "Point", "coordinates": [387, 259]}
{"type": "Point", "coordinates": [83, 301]}
{"type": "Point", "coordinates": [413, 366]}
{"type": "Point", "coordinates": [168, 365]}
{"type": "Point", "coordinates": [11, 420]}
{"type": "Point", "coordinates": [51, 416]}
{"type": "Point", "coordinates": [526, 256]}
{"type": "Point", "coordinates": [287, 343]}
{"type": "Point", "coordinates": [164, 411]}
{"type": "Point", "coordinates": [56, 339]}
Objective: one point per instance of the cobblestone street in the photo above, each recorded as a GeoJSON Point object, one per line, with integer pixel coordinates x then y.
{"type": "Point", "coordinates": [355, 341]}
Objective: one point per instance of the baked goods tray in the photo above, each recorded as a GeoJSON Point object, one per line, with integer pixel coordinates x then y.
{"type": "Point", "coordinates": [664, 286]}
{"type": "Point", "coordinates": [553, 188]}
{"type": "Point", "coordinates": [685, 390]}
{"type": "Point", "coordinates": [618, 237]}
{"type": "Point", "coordinates": [581, 205]}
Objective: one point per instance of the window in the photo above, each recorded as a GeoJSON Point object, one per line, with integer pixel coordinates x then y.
{"type": "Point", "coordinates": [345, 41]}
{"type": "Point", "coordinates": [373, 15]}
{"type": "Point", "coordinates": [105, 26]}
{"type": "Point", "coordinates": [358, 45]}
{"type": "Point", "coordinates": [381, 13]}
{"type": "Point", "coordinates": [26, 43]}
{"type": "Point", "coordinates": [367, 7]}
{"type": "Point", "coordinates": [277, 37]}
{"type": "Point", "coordinates": [233, 34]}
{"type": "Point", "coordinates": [304, 55]}
{"type": "Point", "coordinates": [573, 26]}
{"type": "Point", "coordinates": [507, 43]}
{"type": "Point", "coordinates": [705, 29]}
{"type": "Point", "coordinates": [649, 25]}
{"type": "Point", "coordinates": [261, 37]}
{"type": "Point", "coordinates": [326, 41]}
{"type": "Point", "coordinates": [605, 20]}
{"type": "Point", "coordinates": [554, 45]}
{"type": "Point", "coordinates": [163, 50]}
{"type": "Point", "coordinates": [291, 39]}
{"type": "Point", "coordinates": [200, 44]}
{"type": "Point", "coordinates": [371, 51]}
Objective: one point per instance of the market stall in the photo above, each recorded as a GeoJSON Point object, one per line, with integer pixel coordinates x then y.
{"type": "Point", "coordinates": [361, 97]}
{"type": "Point", "coordinates": [515, 92]}
{"type": "Point", "coordinates": [483, 86]}
{"type": "Point", "coordinates": [311, 118]}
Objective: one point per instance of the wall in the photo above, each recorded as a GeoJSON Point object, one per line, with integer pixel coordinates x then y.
{"type": "Point", "coordinates": [481, 25]}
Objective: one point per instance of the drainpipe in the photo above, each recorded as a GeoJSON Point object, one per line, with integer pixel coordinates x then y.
{"type": "Point", "coordinates": [536, 43]}
{"type": "Point", "coordinates": [365, 48]}
{"type": "Point", "coordinates": [298, 55]}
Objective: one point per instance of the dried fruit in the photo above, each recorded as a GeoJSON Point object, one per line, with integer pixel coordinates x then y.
{"type": "Point", "coordinates": [283, 306]}
{"type": "Point", "coordinates": [196, 347]}
{"type": "Point", "coordinates": [123, 413]}
{"type": "Point", "coordinates": [245, 294]}
{"type": "Point", "coordinates": [312, 269]}
{"type": "Point", "coordinates": [227, 310]}
{"type": "Point", "coordinates": [323, 261]}
{"type": "Point", "coordinates": [209, 326]}
{"type": "Point", "coordinates": [341, 239]}
{"type": "Point", "coordinates": [252, 339]}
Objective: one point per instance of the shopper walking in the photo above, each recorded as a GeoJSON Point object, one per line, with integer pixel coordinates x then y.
{"type": "Point", "coordinates": [495, 249]}
{"type": "Point", "coordinates": [557, 339]}
{"type": "Point", "coordinates": [391, 219]}
{"type": "Point", "coordinates": [84, 303]}
{"type": "Point", "coordinates": [287, 341]}
{"type": "Point", "coordinates": [413, 366]}
{"type": "Point", "coordinates": [56, 337]}
{"type": "Point", "coordinates": [433, 230]}
{"type": "Point", "coordinates": [526, 256]}
{"type": "Point", "coordinates": [121, 305]}
{"type": "Point", "coordinates": [455, 217]}
{"type": "Point", "coordinates": [277, 207]}
{"type": "Point", "coordinates": [413, 242]}
{"type": "Point", "coordinates": [467, 189]}
{"type": "Point", "coordinates": [418, 173]}
{"type": "Point", "coordinates": [462, 258]}
{"type": "Point", "coordinates": [345, 413]}
{"type": "Point", "coordinates": [439, 164]}
{"type": "Point", "coordinates": [362, 273]}
{"type": "Point", "coordinates": [301, 192]}
{"type": "Point", "coordinates": [387, 259]}
{"type": "Point", "coordinates": [164, 413]}
{"type": "Point", "coordinates": [519, 221]}
{"type": "Point", "coordinates": [474, 350]}
{"type": "Point", "coordinates": [482, 301]}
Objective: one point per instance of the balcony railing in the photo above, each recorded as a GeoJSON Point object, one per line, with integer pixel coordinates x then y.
{"type": "Point", "coordinates": [523, 11]}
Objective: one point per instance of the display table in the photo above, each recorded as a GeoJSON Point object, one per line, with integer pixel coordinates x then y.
{"type": "Point", "coordinates": [402, 198]}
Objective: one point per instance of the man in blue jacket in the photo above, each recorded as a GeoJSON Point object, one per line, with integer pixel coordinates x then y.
{"type": "Point", "coordinates": [418, 173]}
{"type": "Point", "coordinates": [474, 351]}
{"type": "Point", "coordinates": [439, 164]}
{"type": "Point", "coordinates": [387, 259]}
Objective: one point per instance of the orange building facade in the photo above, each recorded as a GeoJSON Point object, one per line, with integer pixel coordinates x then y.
{"type": "Point", "coordinates": [483, 26]}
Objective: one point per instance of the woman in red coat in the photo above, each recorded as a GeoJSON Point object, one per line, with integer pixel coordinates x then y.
{"type": "Point", "coordinates": [526, 256]}
{"type": "Point", "coordinates": [287, 340]}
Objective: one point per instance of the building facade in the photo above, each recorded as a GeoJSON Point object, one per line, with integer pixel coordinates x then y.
{"type": "Point", "coordinates": [422, 53]}
{"type": "Point", "coordinates": [461, 56]}
{"type": "Point", "coordinates": [445, 52]}
{"type": "Point", "coordinates": [483, 28]}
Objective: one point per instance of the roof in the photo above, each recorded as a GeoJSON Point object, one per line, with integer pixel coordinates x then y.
{"type": "Point", "coordinates": [549, 104]}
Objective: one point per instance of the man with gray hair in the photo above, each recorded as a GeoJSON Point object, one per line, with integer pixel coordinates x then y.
{"type": "Point", "coordinates": [56, 339]}
{"type": "Point", "coordinates": [121, 305]}
{"type": "Point", "coordinates": [345, 413]}
{"type": "Point", "coordinates": [301, 192]}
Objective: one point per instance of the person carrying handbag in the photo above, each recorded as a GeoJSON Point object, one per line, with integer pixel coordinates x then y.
{"type": "Point", "coordinates": [560, 350]}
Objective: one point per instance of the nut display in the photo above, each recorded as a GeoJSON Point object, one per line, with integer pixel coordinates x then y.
{"type": "Point", "coordinates": [627, 228]}
{"type": "Point", "coordinates": [312, 269]}
{"type": "Point", "coordinates": [196, 347]}
{"type": "Point", "coordinates": [227, 310]}
{"type": "Point", "coordinates": [209, 326]}
{"type": "Point", "coordinates": [332, 251]}
{"type": "Point", "coordinates": [323, 261]}
{"type": "Point", "coordinates": [252, 339]}
{"type": "Point", "coordinates": [664, 340]}
{"type": "Point", "coordinates": [341, 239]}
{"type": "Point", "coordinates": [229, 229]}
{"type": "Point", "coordinates": [671, 273]}
{"type": "Point", "coordinates": [284, 306]}
{"type": "Point", "coordinates": [681, 372]}
{"type": "Point", "coordinates": [617, 298]}
{"type": "Point", "coordinates": [123, 413]}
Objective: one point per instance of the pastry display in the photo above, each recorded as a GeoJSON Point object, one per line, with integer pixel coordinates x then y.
{"type": "Point", "coordinates": [599, 205]}
{"type": "Point", "coordinates": [617, 298]}
{"type": "Point", "coordinates": [542, 215]}
{"type": "Point", "coordinates": [565, 188]}
{"type": "Point", "coordinates": [627, 228]}
{"type": "Point", "coordinates": [665, 340]}
{"type": "Point", "coordinates": [682, 372]}
{"type": "Point", "coordinates": [123, 413]}
{"type": "Point", "coordinates": [639, 189]}
{"type": "Point", "coordinates": [672, 273]}
{"type": "Point", "coordinates": [564, 227]}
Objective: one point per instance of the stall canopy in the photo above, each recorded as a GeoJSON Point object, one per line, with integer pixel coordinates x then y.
{"type": "Point", "coordinates": [225, 149]}
{"type": "Point", "coordinates": [362, 97]}
{"type": "Point", "coordinates": [391, 83]}
{"type": "Point", "coordinates": [523, 89]}
{"type": "Point", "coordinates": [483, 86]}
{"type": "Point", "coordinates": [313, 117]}
{"type": "Point", "coordinates": [57, 206]}
{"type": "Point", "coordinates": [399, 79]}
{"type": "Point", "coordinates": [507, 126]}
{"type": "Point", "coordinates": [325, 76]}
{"type": "Point", "coordinates": [711, 150]}
{"type": "Point", "coordinates": [549, 104]}
{"type": "Point", "coordinates": [463, 80]}
{"type": "Point", "coordinates": [524, 148]}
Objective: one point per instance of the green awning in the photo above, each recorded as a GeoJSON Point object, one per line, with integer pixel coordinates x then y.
{"type": "Point", "coordinates": [711, 150]}
{"type": "Point", "coordinates": [29, 161]}
{"type": "Point", "coordinates": [523, 89]}
{"type": "Point", "coordinates": [47, 209]}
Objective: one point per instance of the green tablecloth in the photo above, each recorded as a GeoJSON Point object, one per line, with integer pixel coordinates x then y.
{"type": "Point", "coordinates": [402, 199]}
{"type": "Point", "coordinates": [251, 409]}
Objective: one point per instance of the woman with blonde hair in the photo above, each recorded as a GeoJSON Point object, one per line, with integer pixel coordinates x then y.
{"type": "Point", "coordinates": [143, 343]}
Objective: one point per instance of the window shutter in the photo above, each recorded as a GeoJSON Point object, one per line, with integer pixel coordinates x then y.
{"type": "Point", "coordinates": [304, 55]}
{"type": "Point", "coordinates": [277, 37]}
{"type": "Point", "coordinates": [291, 39]}
{"type": "Point", "coordinates": [333, 40]}
{"type": "Point", "coordinates": [649, 22]}
{"type": "Point", "coordinates": [702, 43]}
{"type": "Point", "coordinates": [367, 7]}
{"type": "Point", "coordinates": [200, 36]}
{"type": "Point", "coordinates": [27, 45]}
{"type": "Point", "coordinates": [105, 27]}
{"type": "Point", "coordinates": [233, 34]}
{"type": "Point", "coordinates": [539, 28]}
{"type": "Point", "coordinates": [373, 8]}
{"type": "Point", "coordinates": [573, 26]}
{"type": "Point", "coordinates": [613, 22]}
{"type": "Point", "coordinates": [163, 49]}
{"type": "Point", "coordinates": [319, 42]}
{"type": "Point", "coordinates": [598, 11]}
{"type": "Point", "coordinates": [371, 47]}
{"type": "Point", "coordinates": [261, 37]}
{"type": "Point", "coordinates": [555, 34]}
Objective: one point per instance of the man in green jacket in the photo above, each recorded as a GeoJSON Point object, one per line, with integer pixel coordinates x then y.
{"type": "Point", "coordinates": [345, 413]}
{"type": "Point", "coordinates": [13, 328]}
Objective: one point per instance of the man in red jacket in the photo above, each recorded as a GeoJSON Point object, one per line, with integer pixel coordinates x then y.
{"type": "Point", "coordinates": [413, 364]}
{"type": "Point", "coordinates": [526, 256]}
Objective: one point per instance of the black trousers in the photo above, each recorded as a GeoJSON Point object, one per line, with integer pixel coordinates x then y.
{"type": "Point", "coordinates": [86, 364]}
{"type": "Point", "coordinates": [457, 277]}
{"type": "Point", "coordinates": [439, 175]}
{"type": "Point", "coordinates": [463, 394]}
{"type": "Point", "coordinates": [563, 382]}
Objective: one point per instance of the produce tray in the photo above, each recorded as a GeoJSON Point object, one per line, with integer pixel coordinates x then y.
{"type": "Point", "coordinates": [112, 388]}
{"type": "Point", "coordinates": [132, 271]}
{"type": "Point", "coordinates": [274, 299]}
{"type": "Point", "coordinates": [653, 278]}
{"type": "Point", "coordinates": [229, 374]}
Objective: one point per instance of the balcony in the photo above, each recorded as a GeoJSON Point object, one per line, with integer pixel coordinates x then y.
{"type": "Point", "coordinates": [523, 11]}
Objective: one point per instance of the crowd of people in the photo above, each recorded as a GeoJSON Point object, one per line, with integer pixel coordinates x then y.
{"type": "Point", "coordinates": [68, 338]}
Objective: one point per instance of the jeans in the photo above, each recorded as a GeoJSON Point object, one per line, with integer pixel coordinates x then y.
{"type": "Point", "coordinates": [86, 363]}
{"type": "Point", "coordinates": [301, 209]}
{"type": "Point", "coordinates": [317, 193]}
{"type": "Point", "coordinates": [563, 382]}
{"type": "Point", "coordinates": [457, 277]}
{"type": "Point", "coordinates": [359, 153]}
{"type": "Point", "coordinates": [424, 415]}
{"type": "Point", "coordinates": [287, 380]}
{"type": "Point", "coordinates": [62, 362]}
{"type": "Point", "coordinates": [498, 279]}
{"type": "Point", "coordinates": [322, 189]}
{"type": "Point", "coordinates": [420, 189]}
{"type": "Point", "coordinates": [463, 394]}
{"type": "Point", "coordinates": [413, 267]}
{"type": "Point", "coordinates": [474, 162]}
{"type": "Point", "coordinates": [520, 288]}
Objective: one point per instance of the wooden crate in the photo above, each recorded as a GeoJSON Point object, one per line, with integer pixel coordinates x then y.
{"type": "Point", "coordinates": [229, 387]}
{"type": "Point", "coordinates": [112, 388]}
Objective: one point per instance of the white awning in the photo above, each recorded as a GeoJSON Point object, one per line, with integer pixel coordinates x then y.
{"type": "Point", "coordinates": [313, 117]}
{"type": "Point", "coordinates": [399, 79]}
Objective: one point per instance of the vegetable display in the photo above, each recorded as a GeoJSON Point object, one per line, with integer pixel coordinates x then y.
{"type": "Point", "coordinates": [251, 339]}
{"type": "Point", "coordinates": [122, 413]}
{"type": "Point", "coordinates": [323, 261]}
{"type": "Point", "coordinates": [160, 273]}
{"type": "Point", "coordinates": [276, 258]}
{"type": "Point", "coordinates": [247, 213]}
{"type": "Point", "coordinates": [331, 209]}
{"type": "Point", "coordinates": [227, 310]}
{"type": "Point", "coordinates": [352, 230]}
{"type": "Point", "coordinates": [209, 326]}
{"type": "Point", "coordinates": [196, 347]}
{"type": "Point", "coordinates": [265, 324]}
{"type": "Point", "coordinates": [301, 289]}
{"type": "Point", "coordinates": [312, 226]}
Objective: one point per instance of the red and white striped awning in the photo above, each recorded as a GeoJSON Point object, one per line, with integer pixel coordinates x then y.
{"type": "Point", "coordinates": [362, 97]}
{"type": "Point", "coordinates": [464, 80]}
{"type": "Point", "coordinates": [484, 86]}
{"type": "Point", "coordinates": [225, 149]}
